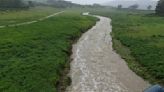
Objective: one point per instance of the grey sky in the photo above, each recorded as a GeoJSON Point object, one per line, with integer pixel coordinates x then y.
{"type": "Point", "coordinates": [94, 1]}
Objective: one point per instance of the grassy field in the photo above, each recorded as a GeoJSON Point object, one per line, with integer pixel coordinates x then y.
{"type": "Point", "coordinates": [12, 17]}
{"type": "Point", "coordinates": [139, 38]}
{"type": "Point", "coordinates": [32, 57]}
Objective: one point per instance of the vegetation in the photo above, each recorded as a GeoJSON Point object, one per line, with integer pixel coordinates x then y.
{"type": "Point", "coordinates": [61, 3]}
{"type": "Point", "coordinates": [10, 4]}
{"type": "Point", "coordinates": [32, 57]}
{"type": "Point", "coordinates": [139, 38]}
{"type": "Point", "coordinates": [135, 6]}
{"type": "Point", "coordinates": [12, 17]}
{"type": "Point", "coordinates": [149, 7]}
{"type": "Point", "coordinates": [26, 4]}
{"type": "Point", "coordinates": [160, 7]}
{"type": "Point", "coordinates": [119, 6]}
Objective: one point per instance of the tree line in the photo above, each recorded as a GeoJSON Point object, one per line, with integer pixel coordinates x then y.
{"type": "Point", "coordinates": [61, 3]}
{"type": "Point", "coordinates": [135, 6]}
{"type": "Point", "coordinates": [14, 4]}
{"type": "Point", "coordinates": [9, 4]}
{"type": "Point", "coordinates": [159, 8]}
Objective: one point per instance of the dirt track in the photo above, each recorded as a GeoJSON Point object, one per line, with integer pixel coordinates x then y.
{"type": "Point", "coordinates": [97, 68]}
{"type": "Point", "coordinates": [30, 22]}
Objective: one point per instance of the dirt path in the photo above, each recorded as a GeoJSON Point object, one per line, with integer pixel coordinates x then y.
{"type": "Point", "coordinates": [30, 22]}
{"type": "Point", "coordinates": [97, 68]}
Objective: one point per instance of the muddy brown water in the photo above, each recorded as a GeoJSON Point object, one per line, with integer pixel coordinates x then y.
{"type": "Point", "coordinates": [96, 67]}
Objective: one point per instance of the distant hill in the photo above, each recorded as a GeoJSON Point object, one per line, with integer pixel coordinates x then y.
{"type": "Point", "coordinates": [56, 3]}
{"type": "Point", "coordinates": [126, 3]}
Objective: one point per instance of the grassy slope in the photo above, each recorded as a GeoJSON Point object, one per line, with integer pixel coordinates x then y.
{"type": "Point", "coordinates": [139, 39]}
{"type": "Point", "coordinates": [33, 56]}
{"type": "Point", "coordinates": [11, 17]}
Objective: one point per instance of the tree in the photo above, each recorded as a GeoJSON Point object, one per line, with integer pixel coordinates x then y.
{"type": "Point", "coordinates": [135, 6]}
{"type": "Point", "coordinates": [61, 3]}
{"type": "Point", "coordinates": [9, 4]}
{"type": "Point", "coordinates": [119, 6]}
{"type": "Point", "coordinates": [149, 7]}
{"type": "Point", "coordinates": [160, 7]}
{"type": "Point", "coordinates": [96, 5]}
{"type": "Point", "coordinates": [31, 3]}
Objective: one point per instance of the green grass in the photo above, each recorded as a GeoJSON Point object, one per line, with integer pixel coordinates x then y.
{"type": "Point", "coordinates": [32, 57]}
{"type": "Point", "coordinates": [139, 39]}
{"type": "Point", "coordinates": [12, 17]}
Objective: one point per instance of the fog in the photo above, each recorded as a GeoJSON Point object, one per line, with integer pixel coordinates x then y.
{"type": "Point", "coordinates": [126, 3]}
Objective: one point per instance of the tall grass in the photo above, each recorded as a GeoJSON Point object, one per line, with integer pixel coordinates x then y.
{"type": "Point", "coordinates": [17, 16]}
{"type": "Point", "coordinates": [32, 57]}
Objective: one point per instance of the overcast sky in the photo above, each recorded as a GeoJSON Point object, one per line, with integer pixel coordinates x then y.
{"type": "Point", "coordinates": [93, 1]}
